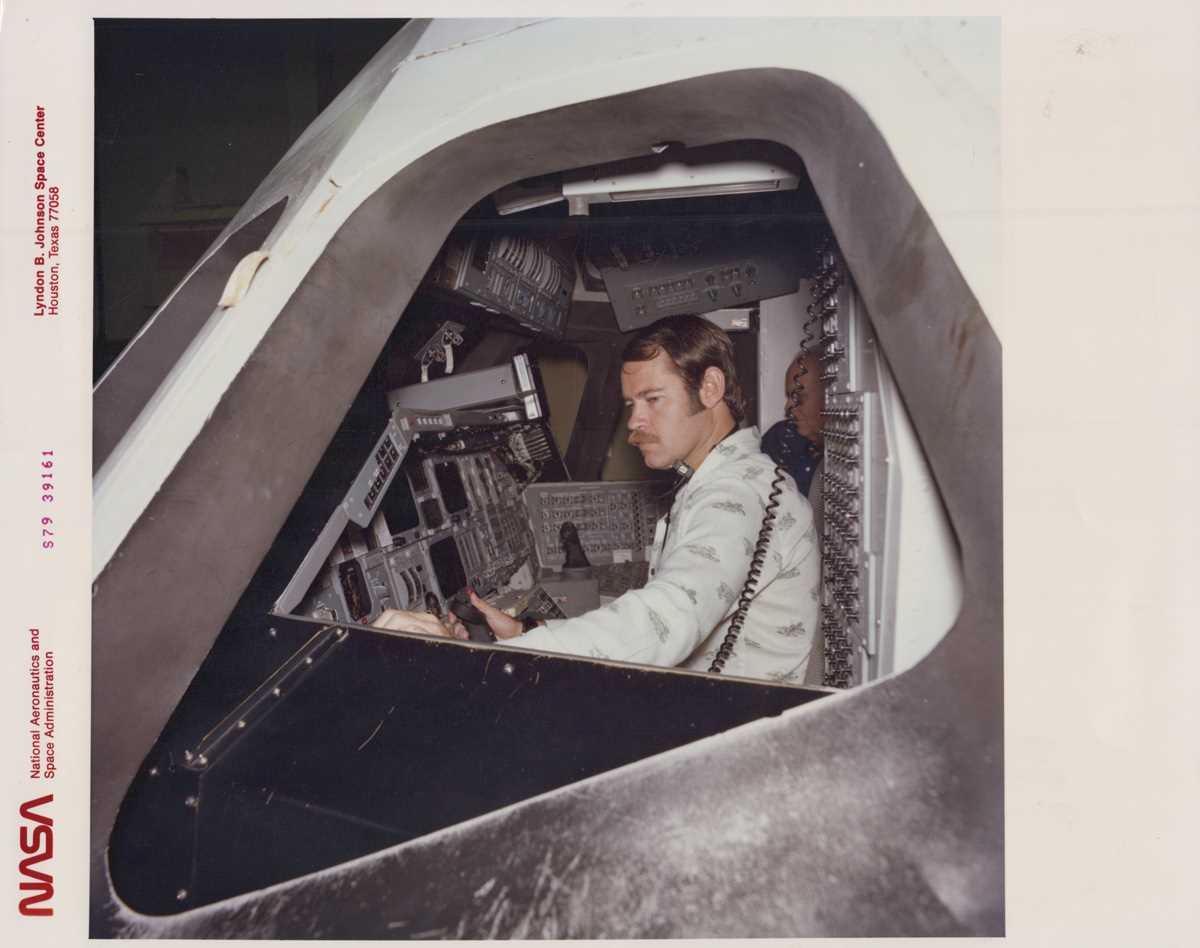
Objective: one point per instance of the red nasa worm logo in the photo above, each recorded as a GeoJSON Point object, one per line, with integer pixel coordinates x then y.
{"type": "Point", "coordinates": [37, 840]}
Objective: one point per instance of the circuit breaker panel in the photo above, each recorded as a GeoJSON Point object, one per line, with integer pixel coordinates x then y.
{"type": "Point", "coordinates": [615, 519]}
{"type": "Point", "coordinates": [857, 588]}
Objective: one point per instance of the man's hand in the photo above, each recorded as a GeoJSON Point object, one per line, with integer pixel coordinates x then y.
{"type": "Point", "coordinates": [423, 622]}
{"type": "Point", "coordinates": [503, 626]}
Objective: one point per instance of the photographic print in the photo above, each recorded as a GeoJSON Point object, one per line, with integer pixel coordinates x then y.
{"type": "Point", "coordinates": [454, 341]}
{"type": "Point", "coordinates": [549, 477]}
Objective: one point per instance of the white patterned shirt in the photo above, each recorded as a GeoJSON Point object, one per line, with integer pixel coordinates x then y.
{"type": "Point", "coordinates": [697, 570]}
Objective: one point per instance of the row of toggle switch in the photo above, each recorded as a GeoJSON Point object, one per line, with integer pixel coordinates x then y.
{"type": "Point", "coordinates": [824, 307]}
{"type": "Point", "coordinates": [845, 454]}
{"type": "Point", "coordinates": [842, 425]}
{"type": "Point", "coordinates": [841, 429]}
{"type": "Point", "coordinates": [826, 284]}
{"type": "Point", "coordinates": [839, 670]}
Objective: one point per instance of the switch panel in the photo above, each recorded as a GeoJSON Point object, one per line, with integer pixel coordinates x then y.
{"type": "Point", "coordinates": [854, 480]}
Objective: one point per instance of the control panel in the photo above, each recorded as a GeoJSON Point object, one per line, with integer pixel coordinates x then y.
{"type": "Point", "coordinates": [524, 277]}
{"type": "Point", "coordinates": [448, 522]}
{"type": "Point", "coordinates": [698, 279]}
{"type": "Point", "coordinates": [437, 505]}
{"type": "Point", "coordinates": [615, 519]}
{"type": "Point", "coordinates": [855, 482]}
{"type": "Point", "coordinates": [375, 477]}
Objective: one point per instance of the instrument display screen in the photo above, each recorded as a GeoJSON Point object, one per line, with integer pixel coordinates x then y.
{"type": "Point", "coordinates": [448, 566]}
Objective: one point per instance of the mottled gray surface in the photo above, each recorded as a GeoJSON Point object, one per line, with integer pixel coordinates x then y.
{"type": "Point", "coordinates": [764, 830]}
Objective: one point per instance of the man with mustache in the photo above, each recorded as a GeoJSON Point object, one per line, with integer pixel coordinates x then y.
{"type": "Point", "coordinates": [686, 407]}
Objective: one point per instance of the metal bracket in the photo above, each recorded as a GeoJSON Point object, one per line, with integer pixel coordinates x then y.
{"type": "Point", "coordinates": [264, 699]}
{"type": "Point", "coordinates": [447, 334]}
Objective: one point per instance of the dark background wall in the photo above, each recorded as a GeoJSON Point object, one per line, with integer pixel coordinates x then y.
{"type": "Point", "coordinates": [190, 117]}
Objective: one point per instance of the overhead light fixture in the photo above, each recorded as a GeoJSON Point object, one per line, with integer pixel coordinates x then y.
{"type": "Point", "coordinates": [675, 179]}
{"type": "Point", "coordinates": [525, 196]}
{"type": "Point", "coordinates": [710, 190]}
{"type": "Point", "coordinates": [649, 180]}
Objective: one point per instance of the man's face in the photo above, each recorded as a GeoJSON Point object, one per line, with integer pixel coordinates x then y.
{"type": "Point", "coordinates": [805, 396]}
{"type": "Point", "coordinates": [666, 422]}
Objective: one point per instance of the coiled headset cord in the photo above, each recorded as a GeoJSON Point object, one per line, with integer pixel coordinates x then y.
{"type": "Point", "coordinates": [756, 565]}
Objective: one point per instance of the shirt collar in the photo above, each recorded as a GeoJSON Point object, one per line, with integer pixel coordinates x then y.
{"type": "Point", "coordinates": [735, 447]}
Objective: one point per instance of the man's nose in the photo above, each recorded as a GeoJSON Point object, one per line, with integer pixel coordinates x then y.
{"type": "Point", "coordinates": [637, 419]}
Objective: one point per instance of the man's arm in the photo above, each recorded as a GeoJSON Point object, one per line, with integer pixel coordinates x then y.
{"type": "Point", "coordinates": [694, 589]}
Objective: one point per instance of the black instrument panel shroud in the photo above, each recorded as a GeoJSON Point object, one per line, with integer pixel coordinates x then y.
{"type": "Point", "coordinates": [391, 737]}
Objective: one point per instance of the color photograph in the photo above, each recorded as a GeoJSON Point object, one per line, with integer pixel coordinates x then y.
{"type": "Point", "coordinates": [620, 473]}
{"type": "Point", "coordinates": [624, 439]}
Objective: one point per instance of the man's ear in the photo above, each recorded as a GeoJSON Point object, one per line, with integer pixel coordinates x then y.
{"type": "Point", "coordinates": [712, 387]}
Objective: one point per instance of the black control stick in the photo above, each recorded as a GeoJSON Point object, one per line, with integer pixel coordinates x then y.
{"type": "Point", "coordinates": [576, 565]}
{"type": "Point", "coordinates": [472, 618]}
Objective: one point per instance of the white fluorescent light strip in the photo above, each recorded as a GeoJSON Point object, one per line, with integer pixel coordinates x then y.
{"type": "Point", "coordinates": [702, 190]}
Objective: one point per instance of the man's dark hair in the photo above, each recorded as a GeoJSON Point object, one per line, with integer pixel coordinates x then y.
{"type": "Point", "coordinates": [693, 344]}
